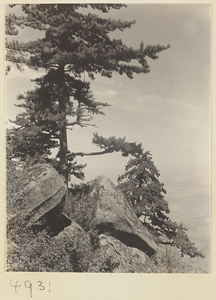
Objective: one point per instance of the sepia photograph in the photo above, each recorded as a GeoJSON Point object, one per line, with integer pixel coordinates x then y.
{"type": "Point", "coordinates": [108, 137]}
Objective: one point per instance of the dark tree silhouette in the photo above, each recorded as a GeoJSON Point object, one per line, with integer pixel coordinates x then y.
{"type": "Point", "coordinates": [75, 41]}
{"type": "Point", "coordinates": [146, 194]}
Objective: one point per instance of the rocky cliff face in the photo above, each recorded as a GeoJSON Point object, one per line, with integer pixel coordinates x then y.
{"type": "Point", "coordinates": [108, 238]}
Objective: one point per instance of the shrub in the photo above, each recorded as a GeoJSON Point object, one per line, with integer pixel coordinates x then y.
{"type": "Point", "coordinates": [30, 252]}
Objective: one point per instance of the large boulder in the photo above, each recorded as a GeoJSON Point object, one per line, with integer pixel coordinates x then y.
{"type": "Point", "coordinates": [113, 256]}
{"type": "Point", "coordinates": [42, 199]}
{"type": "Point", "coordinates": [105, 208]}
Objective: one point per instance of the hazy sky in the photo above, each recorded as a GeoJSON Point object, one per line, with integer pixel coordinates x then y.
{"type": "Point", "coordinates": [167, 110]}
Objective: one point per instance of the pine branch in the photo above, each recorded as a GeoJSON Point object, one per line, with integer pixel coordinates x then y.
{"type": "Point", "coordinates": [73, 154]}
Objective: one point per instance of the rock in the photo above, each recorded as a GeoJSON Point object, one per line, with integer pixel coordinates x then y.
{"type": "Point", "coordinates": [43, 198]}
{"type": "Point", "coordinates": [107, 210]}
{"type": "Point", "coordinates": [72, 231]}
{"type": "Point", "coordinates": [113, 256]}
{"type": "Point", "coordinates": [162, 239]}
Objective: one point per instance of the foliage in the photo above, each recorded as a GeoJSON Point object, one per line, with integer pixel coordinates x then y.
{"type": "Point", "coordinates": [16, 178]}
{"type": "Point", "coordinates": [109, 265]}
{"type": "Point", "coordinates": [142, 188]}
{"type": "Point", "coordinates": [146, 194]}
{"type": "Point", "coordinates": [79, 208]}
{"type": "Point", "coordinates": [74, 42]}
{"type": "Point", "coordinates": [182, 241]}
{"type": "Point", "coordinates": [37, 130]}
{"type": "Point", "coordinates": [113, 144]}
{"type": "Point", "coordinates": [169, 260]}
{"type": "Point", "coordinates": [30, 252]}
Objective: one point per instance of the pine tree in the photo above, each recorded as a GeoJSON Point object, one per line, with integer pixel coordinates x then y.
{"type": "Point", "coordinates": [38, 128]}
{"type": "Point", "coordinates": [76, 41]}
{"type": "Point", "coordinates": [140, 183]}
{"type": "Point", "coordinates": [146, 194]}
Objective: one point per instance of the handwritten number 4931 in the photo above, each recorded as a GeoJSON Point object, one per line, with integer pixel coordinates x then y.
{"type": "Point", "coordinates": [29, 285]}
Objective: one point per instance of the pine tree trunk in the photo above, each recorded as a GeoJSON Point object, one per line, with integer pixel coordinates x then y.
{"type": "Point", "coordinates": [63, 151]}
{"type": "Point", "coordinates": [63, 128]}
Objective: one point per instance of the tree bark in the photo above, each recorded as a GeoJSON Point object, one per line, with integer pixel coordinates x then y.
{"type": "Point", "coordinates": [63, 126]}
{"type": "Point", "coordinates": [73, 154]}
